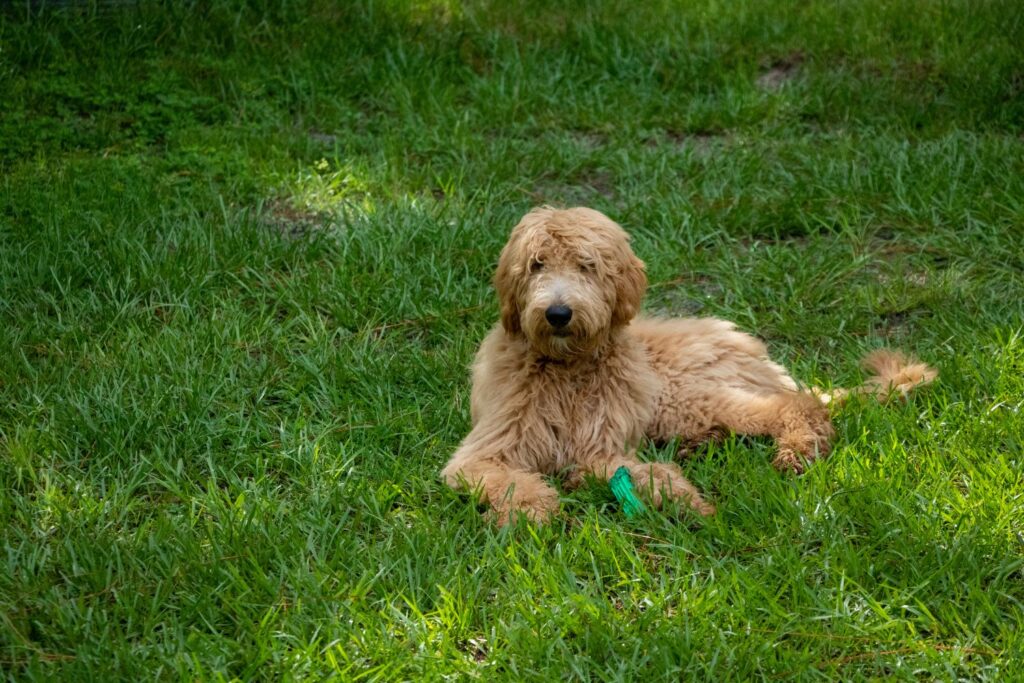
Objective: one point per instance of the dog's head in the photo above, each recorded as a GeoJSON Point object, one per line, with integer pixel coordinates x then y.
{"type": "Point", "coordinates": [567, 278]}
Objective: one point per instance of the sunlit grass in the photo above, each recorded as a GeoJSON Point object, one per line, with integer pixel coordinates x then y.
{"type": "Point", "coordinates": [326, 190]}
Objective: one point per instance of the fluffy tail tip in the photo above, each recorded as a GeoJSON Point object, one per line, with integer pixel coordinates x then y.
{"type": "Point", "coordinates": [893, 373]}
{"type": "Point", "coordinates": [896, 373]}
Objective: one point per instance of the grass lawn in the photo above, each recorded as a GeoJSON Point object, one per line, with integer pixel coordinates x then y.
{"type": "Point", "coordinates": [245, 260]}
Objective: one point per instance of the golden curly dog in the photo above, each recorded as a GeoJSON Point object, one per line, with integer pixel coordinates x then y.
{"type": "Point", "coordinates": [571, 380]}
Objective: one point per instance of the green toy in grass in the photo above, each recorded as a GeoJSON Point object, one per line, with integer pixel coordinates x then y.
{"type": "Point", "coordinates": [622, 488]}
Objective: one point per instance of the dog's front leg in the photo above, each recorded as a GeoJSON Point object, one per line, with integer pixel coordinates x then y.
{"type": "Point", "coordinates": [656, 481]}
{"type": "Point", "coordinates": [479, 465]}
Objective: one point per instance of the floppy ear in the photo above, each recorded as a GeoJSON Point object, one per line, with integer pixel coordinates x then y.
{"type": "Point", "coordinates": [630, 285]}
{"type": "Point", "coordinates": [506, 282]}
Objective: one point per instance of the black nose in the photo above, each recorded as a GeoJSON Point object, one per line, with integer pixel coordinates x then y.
{"type": "Point", "coordinates": [558, 316]}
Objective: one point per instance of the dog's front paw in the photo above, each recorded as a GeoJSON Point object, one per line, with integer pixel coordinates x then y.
{"type": "Point", "coordinates": [702, 506]}
{"type": "Point", "coordinates": [538, 505]}
{"type": "Point", "coordinates": [665, 481]}
{"type": "Point", "coordinates": [789, 460]}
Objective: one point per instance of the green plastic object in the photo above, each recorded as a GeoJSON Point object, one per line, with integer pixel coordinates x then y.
{"type": "Point", "coordinates": [622, 489]}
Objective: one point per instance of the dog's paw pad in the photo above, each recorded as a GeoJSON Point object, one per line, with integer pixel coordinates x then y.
{"type": "Point", "coordinates": [789, 461]}
{"type": "Point", "coordinates": [703, 507]}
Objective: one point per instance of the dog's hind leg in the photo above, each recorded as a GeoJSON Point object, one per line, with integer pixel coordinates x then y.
{"type": "Point", "coordinates": [797, 421]}
{"type": "Point", "coordinates": [509, 492]}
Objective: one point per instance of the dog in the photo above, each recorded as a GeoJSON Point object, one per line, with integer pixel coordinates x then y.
{"type": "Point", "coordinates": [571, 380]}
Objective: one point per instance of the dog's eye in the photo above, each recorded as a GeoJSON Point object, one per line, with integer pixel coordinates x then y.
{"type": "Point", "coordinates": [536, 266]}
{"type": "Point", "coordinates": [587, 267]}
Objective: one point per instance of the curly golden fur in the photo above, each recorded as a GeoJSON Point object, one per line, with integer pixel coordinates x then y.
{"type": "Point", "coordinates": [571, 380]}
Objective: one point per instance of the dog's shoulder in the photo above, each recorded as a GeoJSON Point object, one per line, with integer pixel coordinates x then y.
{"type": "Point", "coordinates": [500, 352]}
{"type": "Point", "coordinates": [499, 359]}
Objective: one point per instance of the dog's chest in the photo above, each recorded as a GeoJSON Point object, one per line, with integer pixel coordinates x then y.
{"type": "Point", "coordinates": [581, 416]}
{"type": "Point", "coordinates": [564, 401]}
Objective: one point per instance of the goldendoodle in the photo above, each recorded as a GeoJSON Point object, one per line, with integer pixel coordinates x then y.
{"type": "Point", "coordinates": [571, 380]}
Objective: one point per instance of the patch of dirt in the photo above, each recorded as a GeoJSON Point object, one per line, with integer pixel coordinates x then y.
{"type": "Point", "coordinates": [900, 324]}
{"type": "Point", "coordinates": [893, 320]}
{"type": "Point", "coordinates": [589, 139]}
{"type": "Point", "coordinates": [682, 297]}
{"type": "Point", "coordinates": [596, 185]}
{"type": "Point", "coordinates": [891, 250]}
{"type": "Point", "coordinates": [896, 261]}
{"type": "Point", "coordinates": [777, 72]}
{"type": "Point", "coordinates": [700, 142]}
{"type": "Point", "coordinates": [475, 57]}
{"type": "Point", "coordinates": [601, 182]}
{"type": "Point", "coordinates": [794, 237]}
{"type": "Point", "coordinates": [323, 138]}
{"type": "Point", "coordinates": [163, 313]}
{"type": "Point", "coordinates": [475, 648]}
{"type": "Point", "coordinates": [918, 278]}
{"type": "Point", "coordinates": [279, 215]}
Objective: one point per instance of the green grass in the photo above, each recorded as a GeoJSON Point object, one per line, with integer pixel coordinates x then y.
{"type": "Point", "coordinates": [245, 254]}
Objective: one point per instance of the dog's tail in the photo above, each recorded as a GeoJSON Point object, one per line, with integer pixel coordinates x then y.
{"type": "Point", "coordinates": [894, 374]}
